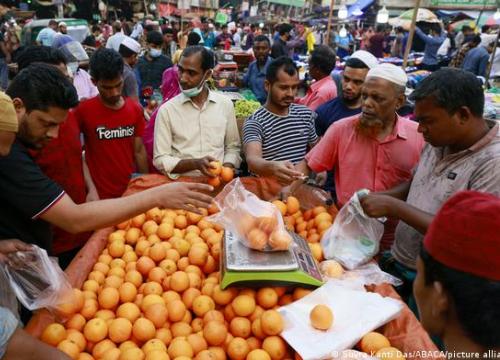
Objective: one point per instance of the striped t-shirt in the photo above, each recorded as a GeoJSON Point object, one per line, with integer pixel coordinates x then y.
{"type": "Point", "coordinates": [282, 137]}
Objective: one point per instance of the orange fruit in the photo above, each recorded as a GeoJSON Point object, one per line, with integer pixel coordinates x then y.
{"type": "Point", "coordinates": [213, 315]}
{"type": "Point", "coordinates": [215, 333]}
{"type": "Point", "coordinates": [285, 300]}
{"type": "Point", "coordinates": [153, 344]}
{"type": "Point", "coordinates": [257, 329]}
{"type": "Point", "coordinates": [157, 355]}
{"type": "Point", "coordinates": [143, 329]}
{"type": "Point", "coordinates": [145, 264]}
{"type": "Point", "coordinates": [281, 206]}
{"type": "Point", "coordinates": [237, 349]}
{"type": "Point", "coordinates": [128, 311]}
{"type": "Point", "coordinates": [280, 240]}
{"type": "Point", "coordinates": [267, 224]}
{"type": "Point", "coordinates": [258, 354]}
{"type": "Point", "coordinates": [113, 281]}
{"type": "Point", "coordinates": [76, 322]}
{"type": "Point", "coordinates": [53, 334]}
{"type": "Point", "coordinates": [180, 222]}
{"type": "Point", "coordinates": [215, 168]}
{"type": "Point", "coordinates": [91, 285]}
{"type": "Point", "coordinates": [97, 276]}
{"type": "Point", "coordinates": [120, 330]}
{"type": "Point", "coordinates": [198, 255]}
{"type": "Point", "coordinates": [257, 313]}
{"type": "Point", "coordinates": [179, 281]}
{"type": "Point", "coordinates": [227, 174]}
{"type": "Point", "coordinates": [390, 353]}
{"type": "Point", "coordinates": [256, 239]}
{"type": "Point", "coordinates": [165, 230]}
{"type": "Point", "coordinates": [224, 297]}
{"type": "Point", "coordinates": [267, 298]}
{"type": "Point", "coordinates": [111, 354]}
{"type": "Point", "coordinates": [157, 252]}
{"type": "Point", "coordinates": [105, 315]}
{"type": "Point", "coordinates": [193, 218]}
{"type": "Point", "coordinates": [116, 249]}
{"type": "Point", "coordinates": [181, 329]}
{"type": "Point", "coordinates": [299, 293]}
{"type": "Point", "coordinates": [151, 299]}
{"type": "Point", "coordinates": [152, 288]}
{"type": "Point", "coordinates": [102, 347]}
{"type": "Point", "coordinates": [89, 309]}
{"type": "Point", "coordinates": [127, 292]}
{"type": "Point", "coordinates": [275, 347]}
{"type": "Point", "coordinates": [254, 343]}
{"type": "Point", "coordinates": [77, 338]}
{"type": "Point", "coordinates": [318, 210]}
{"type": "Point", "coordinates": [321, 317]}
{"type": "Point", "coordinates": [373, 342]}
{"type": "Point", "coordinates": [157, 314]}
{"type": "Point", "coordinates": [95, 330]}
{"type": "Point", "coordinates": [214, 181]}
{"type": "Point", "coordinates": [206, 355]}
{"type": "Point", "coordinates": [69, 348]}
{"type": "Point", "coordinates": [203, 304]}
{"type": "Point", "coordinates": [132, 354]}
{"type": "Point", "coordinates": [169, 266]}
{"type": "Point", "coordinates": [176, 310]}
{"type": "Point", "coordinates": [157, 274]}
{"type": "Point", "coordinates": [85, 356]}
{"type": "Point", "coordinates": [164, 335]}
{"type": "Point", "coordinates": [141, 247]}
{"type": "Point", "coordinates": [132, 236]}
{"type": "Point", "coordinates": [117, 271]}
{"type": "Point", "coordinates": [180, 347]}
{"type": "Point", "coordinates": [197, 342]}
{"type": "Point", "coordinates": [240, 327]}
{"type": "Point", "coordinates": [109, 298]}
{"type": "Point", "coordinates": [316, 251]}
{"type": "Point", "coordinates": [188, 297]}
{"type": "Point", "coordinates": [292, 205]}
{"type": "Point", "coordinates": [243, 305]}
{"type": "Point", "coordinates": [134, 277]}
{"type": "Point", "coordinates": [271, 322]}
{"type": "Point", "coordinates": [154, 214]}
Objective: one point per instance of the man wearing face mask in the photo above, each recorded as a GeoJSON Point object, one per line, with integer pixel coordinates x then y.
{"type": "Point", "coordinates": [129, 50]}
{"type": "Point", "coordinates": [151, 66]}
{"type": "Point", "coordinates": [198, 125]}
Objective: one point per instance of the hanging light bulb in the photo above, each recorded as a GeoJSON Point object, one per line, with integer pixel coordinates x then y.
{"type": "Point", "coordinates": [383, 15]}
{"type": "Point", "coordinates": [342, 12]}
{"type": "Point", "coordinates": [357, 11]}
{"type": "Point", "coordinates": [496, 16]}
{"type": "Point", "coordinates": [343, 31]}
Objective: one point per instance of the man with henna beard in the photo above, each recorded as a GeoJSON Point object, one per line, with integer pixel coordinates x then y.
{"type": "Point", "coordinates": [374, 150]}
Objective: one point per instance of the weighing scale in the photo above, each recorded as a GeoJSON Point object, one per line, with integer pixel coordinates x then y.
{"type": "Point", "coordinates": [242, 266]}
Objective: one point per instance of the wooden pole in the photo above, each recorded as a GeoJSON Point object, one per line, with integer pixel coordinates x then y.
{"type": "Point", "coordinates": [412, 33]}
{"type": "Point", "coordinates": [492, 59]}
{"type": "Point", "coordinates": [329, 27]}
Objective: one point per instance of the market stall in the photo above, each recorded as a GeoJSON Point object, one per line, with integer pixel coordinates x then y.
{"type": "Point", "coordinates": [404, 332]}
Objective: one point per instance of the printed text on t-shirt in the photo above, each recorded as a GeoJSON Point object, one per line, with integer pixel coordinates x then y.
{"type": "Point", "coordinates": [103, 133]}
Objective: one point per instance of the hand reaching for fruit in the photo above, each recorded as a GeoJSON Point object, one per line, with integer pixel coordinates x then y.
{"type": "Point", "coordinates": [185, 196]}
{"type": "Point", "coordinates": [207, 166]}
{"type": "Point", "coordinates": [285, 172]}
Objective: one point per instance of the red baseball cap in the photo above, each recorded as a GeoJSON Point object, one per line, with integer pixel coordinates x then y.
{"type": "Point", "coordinates": [465, 234]}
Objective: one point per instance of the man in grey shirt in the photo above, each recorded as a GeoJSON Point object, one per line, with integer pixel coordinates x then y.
{"type": "Point", "coordinates": [463, 153]}
{"type": "Point", "coordinates": [129, 50]}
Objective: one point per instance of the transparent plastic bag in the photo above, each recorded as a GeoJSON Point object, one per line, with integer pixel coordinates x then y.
{"type": "Point", "coordinates": [354, 238]}
{"type": "Point", "coordinates": [258, 224]}
{"type": "Point", "coordinates": [36, 279]}
{"type": "Point", "coordinates": [368, 274]}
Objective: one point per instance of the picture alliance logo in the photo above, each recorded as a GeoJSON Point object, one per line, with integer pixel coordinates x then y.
{"type": "Point", "coordinates": [103, 133]}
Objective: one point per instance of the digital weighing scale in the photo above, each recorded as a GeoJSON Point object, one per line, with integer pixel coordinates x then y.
{"type": "Point", "coordinates": [242, 266]}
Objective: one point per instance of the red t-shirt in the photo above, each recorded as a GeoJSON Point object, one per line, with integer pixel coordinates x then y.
{"type": "Point", "coordinates": [61, 160]}
{"type": "Point", "coordinates": [109, 143]}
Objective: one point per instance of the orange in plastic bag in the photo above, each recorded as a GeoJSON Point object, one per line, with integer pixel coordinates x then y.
{"type": "Point", "coordinates": [257, 223]}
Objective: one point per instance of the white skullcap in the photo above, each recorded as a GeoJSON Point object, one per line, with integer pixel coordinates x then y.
{"type": "Point", "coordinates": [62, 23]}
{"type": "Point", "coordinates": [389, 72]}
{"type": "Point", "coordinates": [131, 44]}
{"type": "Point", "coordinates": [367, 58]}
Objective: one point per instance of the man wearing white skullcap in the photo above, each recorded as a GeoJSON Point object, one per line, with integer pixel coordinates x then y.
{"type": "Point", "coordinates": [376, 149]}
{"type": "Point", "coordinates": [129, 50]}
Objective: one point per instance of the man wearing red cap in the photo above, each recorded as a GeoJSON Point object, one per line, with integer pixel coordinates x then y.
{"type": "Point", "coordinates": [463, 153]}
{"type": "Point", "coordinates": [457, 287]}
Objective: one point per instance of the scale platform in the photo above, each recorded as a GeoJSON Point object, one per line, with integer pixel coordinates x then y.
{"type": "Point", "coordinates": [242, 266]}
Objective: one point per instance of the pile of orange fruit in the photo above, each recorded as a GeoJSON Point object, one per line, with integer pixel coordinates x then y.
{"type": "Point", "coordinates": [221, 174]}
{"type": "Point", "coordinates": [310, 224]}
{"type": "Point", "coordinates": [154, 294]}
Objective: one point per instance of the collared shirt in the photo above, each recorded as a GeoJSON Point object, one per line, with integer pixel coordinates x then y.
{"type": "Point", "coordinates": [130, 86]}
{"type": "Point", "coordinates": [254, 79]}
{"type": "Point", "coordinates": [319, 93]}
{"type": "Point", "coordinates": [278, 49]}
{"type": "Point", "coordinates": [432, 45]}
{"type": "Point", "coordinates": [151, 70]}
{"type": "Point", "coordinates": [184, 131]}
{"type": "Point", "coordinates": [476, 61]}
{"type": "Point", "coordinates": [84, 85]}
{"type": "Point", "coordinates": [362, 162]}
{"type": "Point", "coordinates": [441, 174]}
{"type": "Point", "coordinates": [458, 59]}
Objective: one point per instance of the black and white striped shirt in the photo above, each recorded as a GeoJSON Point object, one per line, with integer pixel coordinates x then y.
{"type": "Point", "coordinates": [282, 137]}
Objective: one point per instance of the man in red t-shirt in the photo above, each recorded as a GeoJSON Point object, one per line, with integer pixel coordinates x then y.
{"type": "Point", "coordinates": [112, 126]}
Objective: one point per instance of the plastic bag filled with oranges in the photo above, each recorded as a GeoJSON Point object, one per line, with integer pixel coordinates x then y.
{"type": "Point", "coordinates": [257, 223]}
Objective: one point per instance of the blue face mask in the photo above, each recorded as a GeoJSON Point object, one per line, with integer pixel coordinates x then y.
{"type": "Point", "coordinates": [154, 53]}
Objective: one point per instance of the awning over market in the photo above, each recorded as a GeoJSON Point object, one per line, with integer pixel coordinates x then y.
{"type": "Point", "coordinates": [296, 3]}
{"type": "Point", "coordinates": [359, 4]}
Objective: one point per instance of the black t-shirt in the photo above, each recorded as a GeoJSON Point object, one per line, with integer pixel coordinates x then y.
{"type": "Point", "coordinates": [25, 194]}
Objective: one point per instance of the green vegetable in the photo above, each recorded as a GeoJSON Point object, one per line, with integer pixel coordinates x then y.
{"type": "Point", "coordinates": [245, 108]}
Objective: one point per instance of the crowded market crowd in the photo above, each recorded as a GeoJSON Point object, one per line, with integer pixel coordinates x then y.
{"type": "Point", "coordinates": [71, 138]}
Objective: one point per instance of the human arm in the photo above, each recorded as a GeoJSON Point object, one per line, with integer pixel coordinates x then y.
{"type": "Point", "coordinates": [483, 65]}
{"type": "Point", "coordinates": [74, 218]}
{"type": "Point", "coordinates": [232, 141]}
{"type": "Point", "coordinates": [431, 40]}
{"type": "Point", "coordinates": [92, 194]}
{"type": "Point", "coordinates": [6, 52]}
{"type": "Point", "coordinates": [23, 346]}
{"type": "Point", "coordinates": [141, 158]}
{"type": "Point", "coordinates": [283, 171]}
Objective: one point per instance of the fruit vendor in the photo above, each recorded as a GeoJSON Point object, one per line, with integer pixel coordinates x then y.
{"type": "Point", "coordinates": [278, 134]}
{"type": "Point", "coordinates": [256, 74]}
{"type": "Point", "coordinates": [31, 202]}
{"type": "Point", "coordinates": [198, 125]}
{"type": "Point", "coordinates": [15, 343]}
{"type": "Point", "coordinates": [457, 287]}
{"type": "Point", "coordinates": [321, 63]}
{"type": "Point", "coordinates": [375, 150]}
{"type": "Point", "coordinates": [463, 153]}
